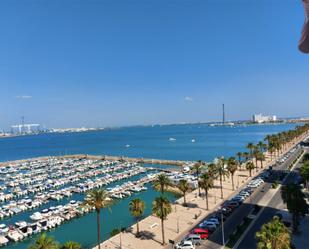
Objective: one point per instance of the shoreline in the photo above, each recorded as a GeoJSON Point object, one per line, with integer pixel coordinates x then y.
{"type": "Point", "coordinates": [215, 123]}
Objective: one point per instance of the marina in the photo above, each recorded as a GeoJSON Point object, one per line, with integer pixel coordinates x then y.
{"type": "Point", "coordinates": [45, 189]}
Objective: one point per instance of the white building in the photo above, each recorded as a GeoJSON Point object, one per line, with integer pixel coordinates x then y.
{"type": "Point", "coordinates": [25, 129]}
{"type": "Point", "coordinates": [259, 118]}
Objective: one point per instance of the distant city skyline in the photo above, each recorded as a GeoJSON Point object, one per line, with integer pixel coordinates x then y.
{"type": "Point", "coordinates": [106, 63]}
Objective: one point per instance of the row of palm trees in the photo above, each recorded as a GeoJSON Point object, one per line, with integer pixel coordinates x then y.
{"type": "Point", "coordinates": [278, 142]}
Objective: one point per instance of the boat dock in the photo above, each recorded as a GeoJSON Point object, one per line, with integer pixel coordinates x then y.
{"type": "Point", "coordinates": [179, 163]}
{"type": "Point", "coordinates": [133, 160]}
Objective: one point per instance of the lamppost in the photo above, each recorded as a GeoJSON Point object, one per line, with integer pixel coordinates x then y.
{"type": "Point", "coordinates": [222, 225]}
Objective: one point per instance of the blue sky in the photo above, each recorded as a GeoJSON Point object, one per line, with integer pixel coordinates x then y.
{"type": "Point", "coordinates": [105, 63]}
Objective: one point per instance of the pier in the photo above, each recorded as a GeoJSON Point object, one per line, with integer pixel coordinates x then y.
{"type": "Point", "coordinates": [133, 160]}
{"type": "Point", "coordinates": [179, 163]}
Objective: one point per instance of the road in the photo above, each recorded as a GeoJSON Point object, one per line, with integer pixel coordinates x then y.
{"type": "Point", "coordinates": [249, 242]}
{"type": "Point", "coordinates": [215, 240]}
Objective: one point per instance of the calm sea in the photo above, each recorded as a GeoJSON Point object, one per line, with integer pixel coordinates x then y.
{"type": "Point", "coordinates": [147, 142]}
{"type": "Point", "coordinates": [190, 142]}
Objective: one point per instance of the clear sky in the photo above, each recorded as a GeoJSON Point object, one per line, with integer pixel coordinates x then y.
{"type": "Point", "coordinates": [104, 63]}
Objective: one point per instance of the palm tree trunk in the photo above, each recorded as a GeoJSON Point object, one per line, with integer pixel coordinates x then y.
{"type": "Point", "coordinates": [137, 228]}
{"type": "Point", "coordinates": [162, 228]}
{"type": "Point", "coordinates": [206, 196]}
{"type": "Point", "coordinates": [250, 172]}
{"type": "Point", "coordinates": [184, 199]}
{"type": "Point", "coordinates": [199, 189]}
{"type": "Point", "coordinates": [221, 186]}
{"type": "Point", "coordinates": [99, 228]}
{"type": "Point", "coordinates": [232, 181]}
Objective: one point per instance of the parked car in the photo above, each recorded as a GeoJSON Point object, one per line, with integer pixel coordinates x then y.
{"type": "Point", "coordinates": [185, 245]}
{"type": "Point", "coordinates": [244, 193]}
{"type": "Point", "coordinates": [214, 219]}
{"type": "Point", "coordinates": [210, 227]}
{"type": "Point", "coordinates": [240, 199]}
{"type": "Point", "coordinates": [208, 222]}
{"type": "Point", "coordinates": [203, 233]}
{"type": "Point", "coordinates": [219, 216]}
{"type": "Point", "coordinates": [233, 204]}
{"type": "Point", "coordinates": [194, 238]}
{"type": "Point", "coordinates": [248, 189]}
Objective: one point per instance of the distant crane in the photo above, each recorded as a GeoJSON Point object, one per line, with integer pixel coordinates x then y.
{"type": "Point", "coordinates": [223, 114]}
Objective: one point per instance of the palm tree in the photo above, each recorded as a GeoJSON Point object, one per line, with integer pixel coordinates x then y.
{"type": "Point", "coordinates": [271, 150]}
{"type": "Point", "coordinates": [250, 166]}
{"type": "Point", "coordinates": [274, 235]}
{"type": "Point", "coordinates": [211, 169]}
{"type": "Point", "coordinates": [240, 155]}
{"type": "Point", "coordinates": [304, 172]}
{"type": "Point", "coordinates": [184, 187]}
{"type": "Point", "coordinates": [45, 242]}
{"type": "Point", "coordinates": [161, 183]}
{"type": "Point", "coordinates": [98, 198]}
{"type": "Point", "coordinates": [232, 167]}
{"type": "Point", "coordinates": [220, 171]}
{"type": "Point", "coordinates": [197, 169]}
{"type": "Point", "coordinates": [71, 245]}
{"type": "Point", "coordinates": [137, 208]}
{"type": "Point", "coordinates": [261, 158]}
{"type": "Point", "coordinates": [255, 154]}
{"type": "Point", "coordinates": [295, 202]}
{"type": "Point", "coordinates": [262, 147]}
{"type": "Point", "coordinates": [250, 147]}
{"type": "Point", "coordinates": [161, 207]}
{"type": "Point", "coordinates": [246, 156]}
{"type": "Point", "coordinates": [206, 182]}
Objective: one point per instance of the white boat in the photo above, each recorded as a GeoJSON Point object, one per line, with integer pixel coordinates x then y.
{"type": "Point", "coordinates": [193, 140]}
{"type": "Point", "coordinates": [172, 139]}
{"type": "Point", "coordinates": [128, 145]}
{"type": "Point", "coordinates": [14, 235]}
{"type": "Point", "coordinates": [36, 216]}
{"type": "Point", "coordinates": [35, 228]}
{"type": "Point", "coordinates": [3, 240]}
{"type": "Point", "coordinates": [3, 229]}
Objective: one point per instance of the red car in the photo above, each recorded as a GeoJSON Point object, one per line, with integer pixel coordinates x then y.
{"type": "Point", "coordinates": [204, 233]}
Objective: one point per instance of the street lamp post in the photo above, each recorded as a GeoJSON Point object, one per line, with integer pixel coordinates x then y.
{"type": "Point", "coordinates": [222, 225]}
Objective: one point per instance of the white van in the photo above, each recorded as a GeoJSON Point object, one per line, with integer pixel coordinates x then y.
{"type": "Point", "coordinates": [194, 238]}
